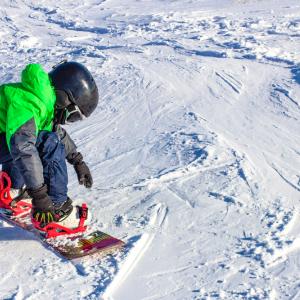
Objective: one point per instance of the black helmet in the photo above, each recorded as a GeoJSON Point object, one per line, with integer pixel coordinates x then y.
{"type": "Point", "coordinates": [74, 84]}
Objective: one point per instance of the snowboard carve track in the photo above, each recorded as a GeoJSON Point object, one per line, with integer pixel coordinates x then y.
{"type": "Point", "coordinates": [137, 252]}
{"type": "Point", "coordinates": [284, 178]}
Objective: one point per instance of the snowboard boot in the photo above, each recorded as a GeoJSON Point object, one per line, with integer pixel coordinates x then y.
{"type": "Point", "coordinates": [18, 195]}
{"type": "Point", "coordinates": [70, 219]}
{"type": "Point", "coordinates": [16, 202]}
{"type": "Point", "coordinates": [69, 214]}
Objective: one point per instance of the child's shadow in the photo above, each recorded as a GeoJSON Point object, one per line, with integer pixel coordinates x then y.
{"type": "Point", "coordinates": [15, 234]}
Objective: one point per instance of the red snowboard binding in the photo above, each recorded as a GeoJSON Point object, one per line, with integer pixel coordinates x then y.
{"type": "Point", "coordinates": [23, 209]}
{"type": "Point", "coordinates": [54, 229]}
{"type": "Point", "coordinates": [16, 208]}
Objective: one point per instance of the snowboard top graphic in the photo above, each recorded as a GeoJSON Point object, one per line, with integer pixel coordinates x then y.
{"type": "Point", "coordinates": [73, 246]}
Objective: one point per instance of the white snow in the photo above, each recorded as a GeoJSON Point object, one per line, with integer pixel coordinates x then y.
{"type": "Point", "coordinates": [194, 147]}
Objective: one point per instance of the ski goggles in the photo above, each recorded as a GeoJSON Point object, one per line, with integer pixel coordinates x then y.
{"type": "Point", "coordinates": [73, 114]}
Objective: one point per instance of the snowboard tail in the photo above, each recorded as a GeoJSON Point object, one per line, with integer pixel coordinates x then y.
{"type": "Point", "coordinates": [95, 242]}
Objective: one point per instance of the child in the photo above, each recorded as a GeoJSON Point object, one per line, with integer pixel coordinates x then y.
{"type": "Point", "coordinates": [34, 147]}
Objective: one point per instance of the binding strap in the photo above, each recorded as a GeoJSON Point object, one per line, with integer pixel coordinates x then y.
{"type": "Point", "coordinates": [53, 230]}
{"type": "Point", "coordinates": [17, 208]}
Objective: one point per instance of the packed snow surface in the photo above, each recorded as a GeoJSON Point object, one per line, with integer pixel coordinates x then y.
{"type": "Point", "coordinates": [194, 147]}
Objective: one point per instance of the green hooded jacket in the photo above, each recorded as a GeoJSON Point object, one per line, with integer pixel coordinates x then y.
{"type": "Point", "coordinates": [33, 97]}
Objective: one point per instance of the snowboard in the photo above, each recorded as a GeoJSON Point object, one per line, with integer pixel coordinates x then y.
{"type": "Point", "coordinates": [68, 246]}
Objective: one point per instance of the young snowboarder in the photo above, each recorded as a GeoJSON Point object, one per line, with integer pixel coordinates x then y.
{"type": "Point", "coordinates": [34, 147]}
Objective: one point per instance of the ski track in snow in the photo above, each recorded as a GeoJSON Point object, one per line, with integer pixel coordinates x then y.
{"type": "Point", "coordinates": [194, 147]}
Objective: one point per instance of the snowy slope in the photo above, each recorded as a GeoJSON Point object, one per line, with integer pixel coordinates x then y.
{"type": "Point", "coordinates": [194, 147]}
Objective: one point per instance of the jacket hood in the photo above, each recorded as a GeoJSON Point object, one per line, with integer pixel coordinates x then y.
{"type": "Point", "coordinates": [37, 81]}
